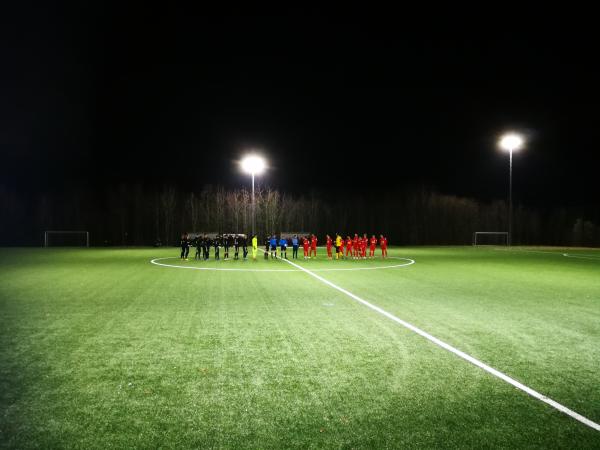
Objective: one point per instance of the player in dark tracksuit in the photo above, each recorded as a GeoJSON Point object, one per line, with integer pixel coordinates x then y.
{"type": "Point", "coordinates": [216, 243]}
{"type": "Point", "coordinates": [226, 247]}
{"type": "Point", "coordinates": [236, 246]}
{"type": "Point", "coordinates": [245, 246]}
{"type": "Point", "coordinates": [206, 247]}
{"type": "Point", "coordinates": [185, 246]}
{"type": "Point", "coordinates": [267, 246]}
{"type": "Point", "coordinates": [199, 247]}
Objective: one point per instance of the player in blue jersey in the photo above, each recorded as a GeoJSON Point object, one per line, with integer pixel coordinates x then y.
{"type": "Point", "coordinates": [283, 247]}
{"type": "Point", "coordinates": [273, 244]}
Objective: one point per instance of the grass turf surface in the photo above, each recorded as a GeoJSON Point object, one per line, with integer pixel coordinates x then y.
{"type": "Point", "coordinates": [101, 349]}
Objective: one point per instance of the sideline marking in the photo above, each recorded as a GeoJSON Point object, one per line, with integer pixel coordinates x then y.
{"type": "Point", "coordinates": [457, 352]}
{"type": "Point", "coordinates": [154, 261]}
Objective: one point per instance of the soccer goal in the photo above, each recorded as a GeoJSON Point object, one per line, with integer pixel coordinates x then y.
{"type": "Point", "coordinates": [490, 238]}
{"type": "Point", "coordinates": [66, 239]}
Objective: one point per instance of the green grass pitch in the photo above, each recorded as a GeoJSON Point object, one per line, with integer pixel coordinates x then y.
{"type": "Point", "coordinates": [99, 348]}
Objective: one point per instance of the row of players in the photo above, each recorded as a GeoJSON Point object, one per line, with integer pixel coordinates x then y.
{"type": "Point", "coordinates": [204, 243]}
{"type": "Point", "coordinates": [355, 248]}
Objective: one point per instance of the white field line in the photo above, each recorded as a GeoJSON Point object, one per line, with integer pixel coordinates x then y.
{"type": "Point", "coordinates": [408, 263]}
{"type": "Point", "coordinates": [582, 256]}
{"type": "Point", "coordinates": [567, 255]}
{"type": "Point", "coordinates": [457, 352]}
{"type": "Point", "coordinates": [155, 261]}
{"type": "Point", "coordinates": [597, 255]}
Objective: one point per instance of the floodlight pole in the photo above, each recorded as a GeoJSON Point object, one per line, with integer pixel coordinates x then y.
{"type": "Point", "coordinates": [510, 207]}
{"type": "Point", "coordinates": [253, 164]}
{"type": "Point", "coordinates": [253, 207]}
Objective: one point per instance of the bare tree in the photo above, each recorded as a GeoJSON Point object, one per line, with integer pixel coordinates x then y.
{"type": "Point", "coordinates": [219, 209]}
{"type": "Point", "coordinates": [168, 201]}
{"type": "Point", "coordinates": [193, 208]}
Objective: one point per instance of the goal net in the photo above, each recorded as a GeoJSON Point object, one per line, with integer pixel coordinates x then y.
{"type": "Point", "coordinates": [66, 239]}
{"type": "Point", "coordinates": [490, 238]}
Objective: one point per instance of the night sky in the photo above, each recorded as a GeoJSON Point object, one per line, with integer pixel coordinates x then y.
{"type": "Point", "coordinates": [91, 97]}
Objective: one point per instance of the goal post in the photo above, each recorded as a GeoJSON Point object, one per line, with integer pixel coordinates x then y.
{"type": "Point", "coordinates": [490, 238]}
{"type": "Point", "coordinates": [63, 238]}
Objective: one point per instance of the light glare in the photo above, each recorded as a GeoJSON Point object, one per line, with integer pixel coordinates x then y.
{"type": "Point", "coordinates": [511, 142]}
{"type": "Point", "coordinates": [253, 164]}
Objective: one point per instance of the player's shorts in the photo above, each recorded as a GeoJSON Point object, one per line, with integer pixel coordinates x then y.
{"type": "Point", "coordinates": [273, 248]}
{"type": "Point", "coordinates": [283, 248]}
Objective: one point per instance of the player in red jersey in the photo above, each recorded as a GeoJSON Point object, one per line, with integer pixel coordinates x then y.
{"type": "Point", "coordinates": [373, 244]}
{"type": "Point", "coordinates": [383, 245]}
{"type": "Point", "coordinates": [313, 246]}
{"type": "Point", "coordinates": [355, 246]}
{"type": "Point", "coordinates": [365, 242]}
{"type": "Point", "coordinates": [348, 246]}
{"type": "Point", "coordinates": [329, 245]}
{"type": "Point", "coordinates": [306, 245]}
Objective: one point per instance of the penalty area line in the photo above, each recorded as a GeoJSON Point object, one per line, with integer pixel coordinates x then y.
{"type": "Point", "coordinates": [456, 351]}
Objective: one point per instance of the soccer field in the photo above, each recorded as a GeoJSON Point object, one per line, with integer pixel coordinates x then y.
{"type": "Point", "coordinates": [101, 348]}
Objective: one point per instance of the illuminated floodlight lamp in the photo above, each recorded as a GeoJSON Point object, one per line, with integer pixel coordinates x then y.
{"type": "Point", "coordinates": [253, 164]}
{"type": "Point", "coordinates": [511, 142]}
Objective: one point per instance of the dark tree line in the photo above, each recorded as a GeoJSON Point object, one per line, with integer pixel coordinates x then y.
{"type": "Point", "coordinates": [133, 215]}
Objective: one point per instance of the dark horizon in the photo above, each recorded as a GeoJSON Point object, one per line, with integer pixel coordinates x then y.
{"type": "Point", "coordinates": [95, 98]}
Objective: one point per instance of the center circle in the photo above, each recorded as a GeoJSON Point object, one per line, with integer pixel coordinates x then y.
{"type": "Point", "coordinates": [155, 261]}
